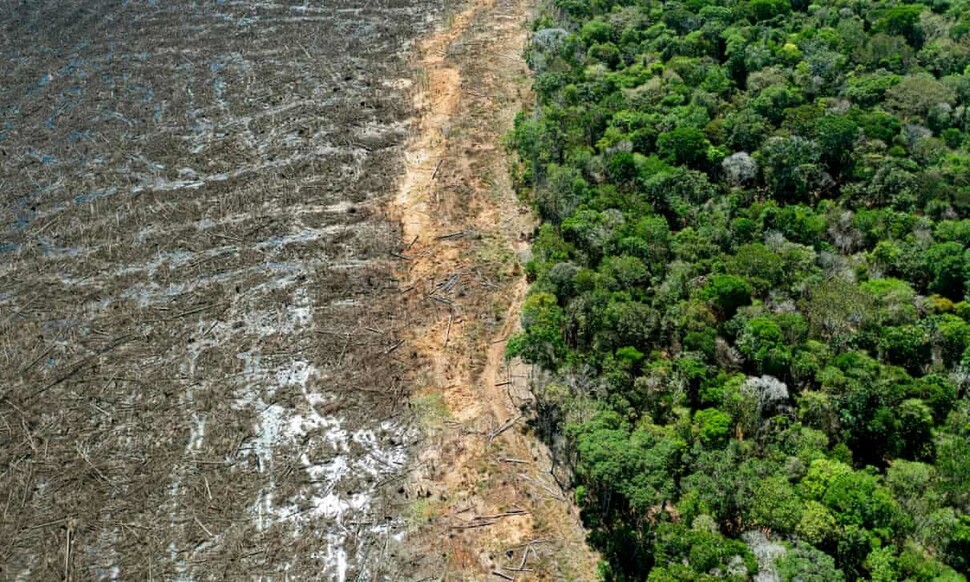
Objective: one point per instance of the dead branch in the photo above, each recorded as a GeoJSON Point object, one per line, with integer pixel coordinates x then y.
{"type": "Point", "coordinates": [451, 318]}
{"type": "Point", "coordinates": [503, 427]}
{"type": "Point", "coordinates": [440, 299]}
{"type": "Point", "coordinates": [452, 235]}
{"type": "Point", "coordinates": [394, 347]}
{"type": "Point", "coordinates": [509, 513]}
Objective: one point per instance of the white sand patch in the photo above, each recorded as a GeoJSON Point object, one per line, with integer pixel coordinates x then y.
{"type": "Point", "coordinates": [343, 467]}
{"type": "Point", "coordinates": [197, 435]}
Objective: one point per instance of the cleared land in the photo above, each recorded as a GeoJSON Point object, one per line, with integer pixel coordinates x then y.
{"type": "Point", "coordinates": [198, 312]}
{"type": "Point", "coordinates": [484, 502]}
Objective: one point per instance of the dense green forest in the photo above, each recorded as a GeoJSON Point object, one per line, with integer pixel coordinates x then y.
{"type": "Point", "coordinates": [749, 287]}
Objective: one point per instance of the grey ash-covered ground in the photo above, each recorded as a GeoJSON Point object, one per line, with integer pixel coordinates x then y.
{"type": "Point", "coordinates": [197, 316]}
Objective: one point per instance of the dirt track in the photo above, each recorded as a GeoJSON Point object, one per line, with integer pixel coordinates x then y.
{"type": "Point", "coordinates": [484, 503]}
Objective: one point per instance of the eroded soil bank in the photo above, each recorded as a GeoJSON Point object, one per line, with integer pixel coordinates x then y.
{"type": "Point", "coordinates": [483, 502]}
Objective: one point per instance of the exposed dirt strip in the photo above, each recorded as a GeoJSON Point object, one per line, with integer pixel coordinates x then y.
{"type": "Point", "coordinates": [483, 501]}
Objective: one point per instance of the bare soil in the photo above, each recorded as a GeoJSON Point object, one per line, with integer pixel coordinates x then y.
{"type": "Point", "coordinates": [484, 503]}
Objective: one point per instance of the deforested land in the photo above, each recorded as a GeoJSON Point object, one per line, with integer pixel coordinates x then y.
{"type": "Point", "coordinates": [197, 372]}
{"type": "Point", "coordinates": [259, 264]}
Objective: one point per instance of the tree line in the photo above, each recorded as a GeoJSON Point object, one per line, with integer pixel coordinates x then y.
{"type": "Point", "coordinates": [750, 282]}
